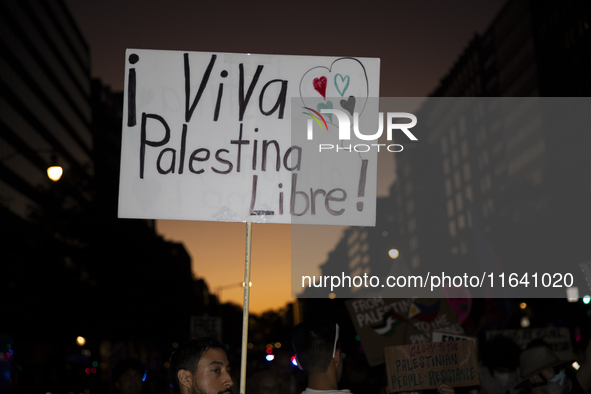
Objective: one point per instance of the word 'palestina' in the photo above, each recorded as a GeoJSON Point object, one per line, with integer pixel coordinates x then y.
{"type": "Point", "coordinates": [166, 161]}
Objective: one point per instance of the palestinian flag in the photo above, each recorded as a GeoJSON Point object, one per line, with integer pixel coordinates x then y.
{"type": "Point", "coordinates": [391, 321]}
{"type": "Point", "coordinates": [423, 312]}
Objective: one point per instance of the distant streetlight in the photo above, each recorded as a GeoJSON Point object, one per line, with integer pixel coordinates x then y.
{"type": "Point", "coordinates": [393, 253]}
{"type": "Point", "coordinates": [55, 173]}
{"type": "Point", "coordinates": [218, 290]}
{"type": "Point", "coordinates": [81, 341]}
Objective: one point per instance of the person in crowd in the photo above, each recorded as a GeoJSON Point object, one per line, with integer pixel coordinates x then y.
{"type": "Point", "coordinates": [265, 382]}
{"type": "Point", "coordinates": [128, 375]}
{"type": "Point", "coordinates": [291, 378]}
{"type": "Point", "coordinates": [499, 370]}
{"type": "Point", "coordinates": [319, 354]}
{"type": "Point", "coordinates": [544, 373]}
{"type": "Point", "coordinates": [201, 366]}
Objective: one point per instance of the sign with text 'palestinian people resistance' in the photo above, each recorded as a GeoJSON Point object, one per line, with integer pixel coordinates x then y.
{"type": "Point", "coordinates": [237, 137]}
{"type": "Point", "coordinates": [427, 366]}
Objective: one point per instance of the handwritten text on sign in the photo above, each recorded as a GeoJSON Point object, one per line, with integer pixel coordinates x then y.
{"type": "Point", "coordinates": [208, 136]}
{"type": "Point", "coordinates": [428, 365]}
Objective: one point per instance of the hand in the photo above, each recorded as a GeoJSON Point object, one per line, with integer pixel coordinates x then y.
{"type": "Point", "coordinates": [445, 389]}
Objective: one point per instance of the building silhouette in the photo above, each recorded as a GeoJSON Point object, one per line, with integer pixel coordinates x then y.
{"type": "Point", "coordinates": [68, 266]}
{"type": "Point", "coordinates": [492, 185]}
{"type": "Point", "coordinates": [46, 113]}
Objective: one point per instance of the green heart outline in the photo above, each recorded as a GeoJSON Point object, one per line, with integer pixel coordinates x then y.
{"type": "Point", "coordinates": [347, 78]}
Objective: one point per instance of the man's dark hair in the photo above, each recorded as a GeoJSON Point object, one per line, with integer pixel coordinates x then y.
{"type": "Point", "coordinates": [125, 364]}
{"type": "Point", "coordinates": [187, 357]}
{"type": "Point", "coordinates": [313, 342]}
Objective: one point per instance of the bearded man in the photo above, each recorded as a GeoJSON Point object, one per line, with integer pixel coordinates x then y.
{"type": "Point", "coordinates": [201, 366]}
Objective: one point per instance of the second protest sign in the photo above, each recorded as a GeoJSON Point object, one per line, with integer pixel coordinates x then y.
{"type": "Point", "coordinates": [426, 366]}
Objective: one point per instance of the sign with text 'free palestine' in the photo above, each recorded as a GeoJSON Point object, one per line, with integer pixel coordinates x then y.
{"type": "Point", "coordinates": [209, 136]}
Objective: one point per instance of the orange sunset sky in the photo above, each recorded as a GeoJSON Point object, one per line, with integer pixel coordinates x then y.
{"type": "Point", "coordinates": [417, 42]}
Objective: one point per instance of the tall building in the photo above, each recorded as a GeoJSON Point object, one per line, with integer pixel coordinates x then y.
{"type": "Point", "coordinates": [493, 184]}
{"type": "Point", "coordinates": [45, 111]}
{"type": "Point", "coordinates": [68, 266]}
{"type": "Point", "coordinates": [499, 184]}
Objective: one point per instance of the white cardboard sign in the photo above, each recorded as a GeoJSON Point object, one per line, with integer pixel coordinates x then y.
{"type": "Point", "coordinates": [210, 136]}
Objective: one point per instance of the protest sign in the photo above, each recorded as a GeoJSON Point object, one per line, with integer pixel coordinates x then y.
{"type": "Point", "coordinates": [382, 322]}
{"type": "Point", "coordinates": [208, 136]}
{"type": "Point", "coordinates": [557, 338]}
{"type": "Point", "coordinates": [445, 337]}
{"type": "Point", "coordinates": [428, 365]}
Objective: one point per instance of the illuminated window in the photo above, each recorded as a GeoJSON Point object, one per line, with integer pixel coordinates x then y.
{"type": "Point", "coordinates": [354, 249]}
{"type": "Point", "coordinates": [461, 221]}
{"type": "Point", "coordinates": [450, 208]}
{"type": "Point", "coordinates": [415, 262]}
{"type": "Point", "coordinates": [352, 237]}
{"type": "Point", "coordinates": [459, 202]}
{"type": "Point", "coordinates": [468, 193]}
{"type": "Point", "coordinates": [414, 243]}
{"type": "Point", "coordinates": [452, 228]}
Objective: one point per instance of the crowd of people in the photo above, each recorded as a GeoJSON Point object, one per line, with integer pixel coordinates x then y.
{"type": "Point", "coordinates": [201, 366]}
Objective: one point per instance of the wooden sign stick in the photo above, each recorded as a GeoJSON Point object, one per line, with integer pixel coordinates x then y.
{"type": "Point", "coordinates": [245, 308]}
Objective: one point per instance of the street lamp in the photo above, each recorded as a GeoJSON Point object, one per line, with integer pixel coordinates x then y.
{"type": "Point", "coordinates": [218, 290]}
{"type": "Point", "coordinates": [54, 172]}
{"type": "Point", "coordinates": [393, 253]}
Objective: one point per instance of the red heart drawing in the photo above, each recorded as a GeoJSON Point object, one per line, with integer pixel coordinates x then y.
{"type": "Point", "coordinates": [320, 86]}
